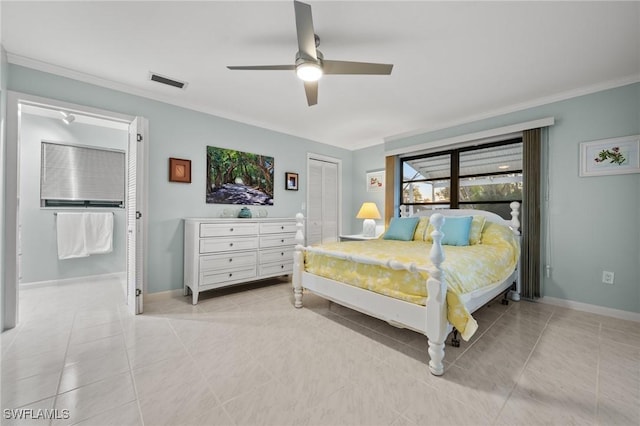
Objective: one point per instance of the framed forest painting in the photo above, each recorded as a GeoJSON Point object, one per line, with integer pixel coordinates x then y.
{"type": "Point", "coordinates": [237, 177]}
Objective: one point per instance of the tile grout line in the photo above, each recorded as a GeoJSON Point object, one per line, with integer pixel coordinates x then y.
{"type": "Point", "coordinates": [105, 378]}
{"type": "Point", "coordinates": [524, 366]}
{"type": "Point", "coordinates": [64, 363]}
{"type": "Point", "coordinates": [597, 396]}
{"type": "Point", "coordinates": [193, 362]}
{"type": "Point", "coordinates": [133, 381]}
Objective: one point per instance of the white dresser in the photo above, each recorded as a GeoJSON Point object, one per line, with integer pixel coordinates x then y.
{"type": "Point", "coordinates": [224, 252]}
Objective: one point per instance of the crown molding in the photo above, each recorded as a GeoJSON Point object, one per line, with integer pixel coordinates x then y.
{"type": "Point", "coordinates": [562, 96]}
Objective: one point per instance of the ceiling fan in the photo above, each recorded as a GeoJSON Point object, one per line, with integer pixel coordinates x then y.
{"type": "Point", "coordinates": [310, 64]}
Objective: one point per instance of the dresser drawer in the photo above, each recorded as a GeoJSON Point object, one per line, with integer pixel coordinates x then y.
{"type": "Point", "coordinates": [225, 230]}
{"type": "Point", "coordinates": [267, 241]}
{"type": "Point", "coordinates": [227, 261]}
{"type": "Point", "coordinates": [280, 268]}
{"type": "Point", "coordinates": [284, 254]}
{"type": "Point", "coordinates": [277, 227]}
{"type": "Point", "coordinates": [213, 245]}
{"type": "Point", "coordinates": [211, 277]}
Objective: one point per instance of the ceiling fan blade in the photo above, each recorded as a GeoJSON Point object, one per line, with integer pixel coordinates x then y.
{"type": "Point", "coordinates": [304, 29]}
{"type": "Point", "coordinates": [311, 89]}
{"type": "Point", "coordinates": [263, 67]}
{"type": "Point", "coordinates": [345, 67]}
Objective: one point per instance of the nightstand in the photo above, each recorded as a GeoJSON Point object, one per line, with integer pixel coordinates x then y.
{"type": "Point", "coordinates": [356, 237]}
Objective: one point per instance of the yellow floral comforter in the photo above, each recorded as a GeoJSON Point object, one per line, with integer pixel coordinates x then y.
{"type": "Point", "coordinates": [466, 269]}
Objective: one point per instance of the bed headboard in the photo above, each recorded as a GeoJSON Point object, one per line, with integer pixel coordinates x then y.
{"type": "Point", "coordinates": [514, 223]}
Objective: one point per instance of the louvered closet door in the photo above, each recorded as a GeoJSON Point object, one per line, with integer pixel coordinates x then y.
{"type": "Point", "coordinates": [329, 203]}
{"type": "Point", "coordinates": [135, 216]}
{"type": "Point", "coordinates": [322, 205]}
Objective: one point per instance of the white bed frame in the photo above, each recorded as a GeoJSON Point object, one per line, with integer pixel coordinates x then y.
{"type": "Point", "coordinates": [430, 320]}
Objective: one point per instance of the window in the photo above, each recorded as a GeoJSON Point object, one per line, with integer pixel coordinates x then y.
{"type": "Point", "coordinates": [486, 177]}
{"type": "Point", "coordinates": [79, 176]}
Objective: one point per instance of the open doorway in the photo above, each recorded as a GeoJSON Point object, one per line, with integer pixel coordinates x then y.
{"type": "Point", "coordinates": [31, 233]}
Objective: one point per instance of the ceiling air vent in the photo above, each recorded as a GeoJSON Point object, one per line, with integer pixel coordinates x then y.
{"type": "Point", "coordinates": [168, 81]}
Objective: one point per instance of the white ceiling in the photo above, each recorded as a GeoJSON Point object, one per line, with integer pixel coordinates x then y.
{"type": "Point", "coordinates": [453, 61]}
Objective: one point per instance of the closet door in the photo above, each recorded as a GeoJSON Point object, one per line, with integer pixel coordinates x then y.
{"type": "Point", "coordinates": [314, 204]}
{"type": "Point", "coordinates": [329, 203]}
{"type": "Point", "coordinates": [322, 204]}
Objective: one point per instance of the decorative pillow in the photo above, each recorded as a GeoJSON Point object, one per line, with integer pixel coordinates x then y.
{"type": "Point", "coordinates": [477, 225]}
{"type": "Point", "coordinates": [401, 228]}
{"type": "Point", "coordinates": [455, 229]}
{"type": "Point", "coordinates": [494, 234]}
{"type": "Point", "coordinates": [421, 229]}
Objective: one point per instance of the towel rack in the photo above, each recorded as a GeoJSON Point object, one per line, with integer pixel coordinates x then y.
{"type": "Point", "coordinates": [56, 213]}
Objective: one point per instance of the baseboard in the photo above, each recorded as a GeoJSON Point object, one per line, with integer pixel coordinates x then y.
{"type": "Point", "coordinates": [75, 280]}
{"type": "Point", "coordinates": [594, 309]}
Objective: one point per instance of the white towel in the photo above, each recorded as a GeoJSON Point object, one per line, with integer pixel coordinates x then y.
{"type": "Point", "coordinates": [98, 236]}
{"type": "Point", "coordinates": [71, 231]}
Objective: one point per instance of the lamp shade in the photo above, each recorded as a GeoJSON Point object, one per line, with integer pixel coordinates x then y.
{"type": "Point", "coordinates": [368, 211]}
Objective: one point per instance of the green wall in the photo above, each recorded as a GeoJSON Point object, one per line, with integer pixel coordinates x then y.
{"type": "Point", "coordinates": [183, 133]}
{"type": "Point", "coordinates": [591, 224]}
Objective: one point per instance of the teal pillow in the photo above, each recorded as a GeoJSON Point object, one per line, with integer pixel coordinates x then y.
{"type": "Point", "coordinates": [401, 228]}
{"type": "Point", "coordinates": [456, 230]}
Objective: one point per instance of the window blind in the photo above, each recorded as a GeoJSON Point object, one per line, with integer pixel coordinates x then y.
{"type": "Point", "coordinates": [73, 175]}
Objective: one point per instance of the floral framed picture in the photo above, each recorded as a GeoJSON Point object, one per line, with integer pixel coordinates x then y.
{"type": "Point", "coordinates": [375, 181]}
{"type": "Point", "coordinates": [179, 170]}
{"type": "Point", "coordinates": [610, 156]}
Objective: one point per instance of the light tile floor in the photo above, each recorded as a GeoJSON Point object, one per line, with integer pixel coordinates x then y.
{"type": "Point", "coordinates": [245, 356]}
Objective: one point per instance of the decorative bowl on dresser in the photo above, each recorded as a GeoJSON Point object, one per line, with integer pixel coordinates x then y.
{"type": "Point", "coordinates": [220, 252]}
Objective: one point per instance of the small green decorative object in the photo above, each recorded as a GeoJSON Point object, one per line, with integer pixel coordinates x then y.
{"type": "Point", "coordinates": [613, 154]}
{"type": "Point", "coordinates": [245, 213]}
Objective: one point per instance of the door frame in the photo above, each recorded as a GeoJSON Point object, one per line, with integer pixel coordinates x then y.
{"type": "Point", "coordinates": [10, 299]}
{"type": "Point", "coordinates": [327, 159]}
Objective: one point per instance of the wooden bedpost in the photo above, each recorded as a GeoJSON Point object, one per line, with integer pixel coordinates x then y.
{"type": "Point", "coordinates": [515, 225]}
{"type": "Point", "coordinates": [298, 261]}
{"type": "Point", "coordinates": [436, 305]}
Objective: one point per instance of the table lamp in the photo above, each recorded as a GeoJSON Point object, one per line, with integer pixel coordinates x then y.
{"type": "Point", "coordinates": [368, 212]}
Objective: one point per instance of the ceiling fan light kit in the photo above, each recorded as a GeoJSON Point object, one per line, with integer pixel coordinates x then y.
{"type": "Point", "coordinates": [309, 71]}
{"type": "Point", "coordinates": [310, 65]}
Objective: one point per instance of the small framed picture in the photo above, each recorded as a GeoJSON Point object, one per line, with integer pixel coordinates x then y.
{"type": "Point", "coordinates": [610, 156]}
{"type": "Point", "coordinates": [179, 170]}
{"type": "Point", "coordinates": [375, 181]}
{"type": "Point", "coordinates": [291, 181]}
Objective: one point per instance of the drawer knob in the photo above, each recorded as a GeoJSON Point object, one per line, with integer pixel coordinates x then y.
{"type": "Point", "coordinates": [230, 275]}
{"type": "Point", "coordinates": [231, 230]}
{"type": "Point", "coordinates": [282, 241]}
{"type": "Point", "coordinates": [282, 227]}
{"type": "Point", "coordinates": [230, 244]}
{"type": "Point", "coordinates": [230, 260]}
{"type": "Point", "coordinates": [282, 254]}
{"type": "Point", "coordinates": [281, 266]}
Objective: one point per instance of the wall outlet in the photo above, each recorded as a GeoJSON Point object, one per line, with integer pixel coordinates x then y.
{"type": "Point", "coordinates": [607, 277]}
